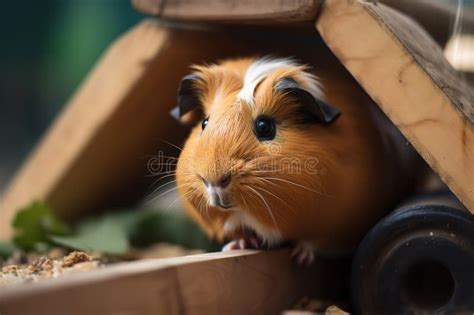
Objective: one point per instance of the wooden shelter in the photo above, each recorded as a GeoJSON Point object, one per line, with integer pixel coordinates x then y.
{"type": "Point", "coordinates": [91, 157]}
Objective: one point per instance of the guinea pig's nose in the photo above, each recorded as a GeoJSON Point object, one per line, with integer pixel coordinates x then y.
{"type": "Point", "coordinates": [218, 195]}
{"type": "Point", "coordinates": [224, 181]}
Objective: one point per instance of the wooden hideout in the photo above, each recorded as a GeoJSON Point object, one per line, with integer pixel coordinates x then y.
{"type": "Point", "coordinates": [92, 156]}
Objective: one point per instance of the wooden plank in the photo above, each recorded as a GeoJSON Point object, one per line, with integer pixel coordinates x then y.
{"type": "Point", "coordinates": [236, 282]}
{"type": "Point", "coordinates": [406, 74]}
{"type": "Point", "coordinates": [95, 154]}
{"type": "Point", "coordinates": [269, 11]}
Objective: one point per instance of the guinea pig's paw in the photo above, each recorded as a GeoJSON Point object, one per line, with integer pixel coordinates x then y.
{"type": "Point", "coordinates": [303, 253]}
{"type": "Point", "coordinates": [243, 243]}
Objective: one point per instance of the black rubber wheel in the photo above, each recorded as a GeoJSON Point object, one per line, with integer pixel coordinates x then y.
{"type": "Point", "coordinates": [419, 259]}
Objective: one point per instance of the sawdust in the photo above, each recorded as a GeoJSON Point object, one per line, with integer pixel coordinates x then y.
{"type": "Point", "coordinates": [307, 306]}
{"type": "Point", "coordinates": [46, 267]}
{"type": "Point", "coordinates": [27, 267]}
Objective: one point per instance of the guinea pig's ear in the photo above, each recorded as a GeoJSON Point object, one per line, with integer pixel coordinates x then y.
{"type": "Point", "coordinates": [320, 111]}
{"type": "Point", "coordinates": [188, 96]}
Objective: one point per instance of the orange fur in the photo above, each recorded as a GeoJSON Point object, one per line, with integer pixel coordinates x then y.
{"type": "Point", "coordinates": [333, 205]}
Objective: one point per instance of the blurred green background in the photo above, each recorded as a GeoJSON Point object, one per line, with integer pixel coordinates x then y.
{"type": "Point", "coordinates": [47, 47]}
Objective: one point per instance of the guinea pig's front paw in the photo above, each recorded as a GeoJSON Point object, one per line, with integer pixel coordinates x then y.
{"type": "Point", "coordinates": [243, 243]}
{"type": "Point", "coordinates": [303, 253]}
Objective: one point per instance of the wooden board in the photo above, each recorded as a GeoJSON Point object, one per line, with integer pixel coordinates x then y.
{"type": "Point", "coordinates": [237, 282]}
{"type": "Point", "coordinates": [406, 74]}
{"type": "Point", "coordinates": [266, 11]}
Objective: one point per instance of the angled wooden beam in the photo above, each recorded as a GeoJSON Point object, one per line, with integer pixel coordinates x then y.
{"type": "Point", "coordinates": [265, 11]}
{"type": "Point", "coordinates": [405, 72]}
{"type": "Point", "coordinates": [237, 282]}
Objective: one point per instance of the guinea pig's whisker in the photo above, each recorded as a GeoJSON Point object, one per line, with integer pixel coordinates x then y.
{"type": "Point", "coordinates": [166, 192]}
{"type": "Point", "coordinates": [206, 206]}
{"type": "Point", "coordinates": [167, 172]}
{"type": "Point", "coordinates": [270, 193]}
{"type": "Point", "coordinates": [243, 200]}
{"type": "Point", "coordinates": [201, 198]}
{"type": "Point", "coordinates": [268, 181]}
{"type": "Point", "coordinates": [202, 202]}
{"type": "Point", "coordinates": [265, 204]}
{"type": "Point", "coordinates": [183, 197]}
{"type": "Point", "coordinates": [173, 145]}
{"type": "Point", "coordinates": [161, 186]}
{"type": "Point", "coordinates": [270, 168]}
{"type": "Point", "coordinates": [261, 159]}
{"type": "Point", "coordinates": [161, 178]}
{"type": "Point", "coordinates": [299, 185]}
{"type": "Point", "coordinates": [277, 185]}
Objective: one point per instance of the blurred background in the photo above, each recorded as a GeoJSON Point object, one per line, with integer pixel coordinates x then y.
{"type": "Point", "coordinates": [47, 48]}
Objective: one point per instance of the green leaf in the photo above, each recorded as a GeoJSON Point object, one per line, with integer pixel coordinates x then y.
{"type": "Point", "coordinates": [33, 225]}
{"type": "Point", "coordinates": [103, 234]}
{"type": "Point", "coordinates": [7, 249]}
{"type": "Point", "coordinates": [172, 227]}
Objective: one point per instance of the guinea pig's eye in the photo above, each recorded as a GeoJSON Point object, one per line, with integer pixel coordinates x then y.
{"type": "Point", "coordinates": [265, 128]}
{"type": "Point", "coordinates": [204, 123]}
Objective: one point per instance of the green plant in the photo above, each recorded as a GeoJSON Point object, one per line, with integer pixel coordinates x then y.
{"type": "Point", "coordinates": [38, 228]}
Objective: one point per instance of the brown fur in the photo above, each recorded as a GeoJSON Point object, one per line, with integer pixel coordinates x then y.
{"type": "Point", "coordinates": [335, 207]}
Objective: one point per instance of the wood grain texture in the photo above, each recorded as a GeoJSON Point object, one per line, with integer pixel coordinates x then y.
{"type": "Point", "coordinates": [237, 282]}
{"type": "Point", "coordinates": [269, 11]}
{"type": "Point", "coordinates": [406, 74]}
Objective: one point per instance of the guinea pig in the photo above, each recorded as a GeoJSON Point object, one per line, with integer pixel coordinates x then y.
{"type": "Point", "coordinates": [284, 153]}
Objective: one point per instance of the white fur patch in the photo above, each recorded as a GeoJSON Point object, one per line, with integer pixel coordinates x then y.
{"type": "Point", "coordinates": [241, 219]}
{"type": "Point", "coordinates": [263, 67]}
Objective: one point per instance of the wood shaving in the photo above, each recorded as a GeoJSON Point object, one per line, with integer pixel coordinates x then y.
{"type": "Point", "coordinates": [46, 268]}
{"type": "Point", "coordinates": [76, 258]}
{"type": "Point", "coordinates": [24, 267]}
{"type": "Point", "coordinates": [307, 306]}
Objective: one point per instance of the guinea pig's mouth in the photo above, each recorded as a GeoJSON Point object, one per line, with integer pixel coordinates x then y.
{"type": "Point", "coordinates": [219, 203]}
{"type": "Point", "coordinates": [225, 206]}
{"type": "Point", "coordinates": [219, 197]}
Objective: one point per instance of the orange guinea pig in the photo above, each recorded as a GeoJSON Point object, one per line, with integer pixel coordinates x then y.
{"type": "Point", "coordinates": [283, 154]}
